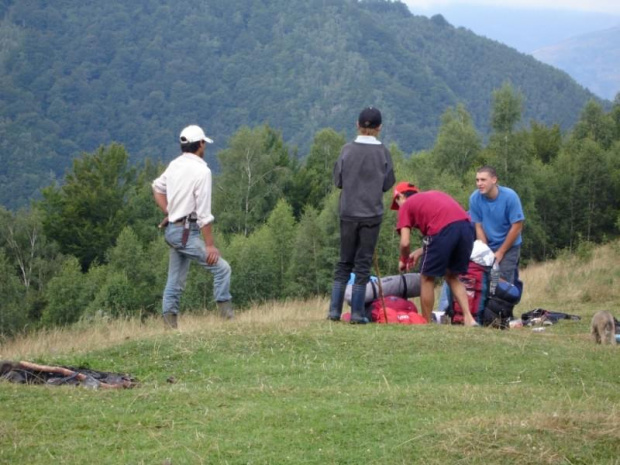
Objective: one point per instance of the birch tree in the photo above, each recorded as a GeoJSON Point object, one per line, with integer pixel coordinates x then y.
{"type": "Point", "coordinates": [254, 172]}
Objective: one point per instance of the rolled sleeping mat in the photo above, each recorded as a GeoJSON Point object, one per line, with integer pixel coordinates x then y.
{"type": "Point", "coordinates": [402, 285]}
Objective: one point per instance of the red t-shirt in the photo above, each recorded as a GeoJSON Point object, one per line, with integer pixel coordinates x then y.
{"type": "Point", "coordinates": [430, 212]}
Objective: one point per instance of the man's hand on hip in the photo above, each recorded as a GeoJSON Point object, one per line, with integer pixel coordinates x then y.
{"type": "Point", "coordinates": [163, 223]}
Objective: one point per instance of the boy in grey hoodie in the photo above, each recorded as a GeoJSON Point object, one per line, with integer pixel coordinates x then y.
{"type": "Point", "coordinates": [364, 171]}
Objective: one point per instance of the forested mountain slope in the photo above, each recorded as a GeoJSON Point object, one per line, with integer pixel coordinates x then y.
{"type": "Point", "coordinates": [76, 75]}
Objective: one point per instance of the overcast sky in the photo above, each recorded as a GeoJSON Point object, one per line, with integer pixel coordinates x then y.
{"type": "Point", "coordinates": [599, 6]}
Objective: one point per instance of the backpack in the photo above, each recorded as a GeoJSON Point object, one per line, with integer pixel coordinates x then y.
{"type": "Point", "coordinates": [398, 310]}
{"type": "Point", "coordinates": [476, 282]}
{"type": "Point", "coordinates": [498, 309]}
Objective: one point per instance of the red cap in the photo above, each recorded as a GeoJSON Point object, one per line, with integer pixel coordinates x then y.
{"type": "Point", "coordinates": [401, 188]}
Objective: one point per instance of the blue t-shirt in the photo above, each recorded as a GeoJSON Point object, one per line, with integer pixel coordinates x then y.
{"type": "Point", "coordinates": [497, 215]}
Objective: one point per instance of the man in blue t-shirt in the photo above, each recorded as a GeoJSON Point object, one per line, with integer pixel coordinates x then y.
{"type": "Point", "coordinates": [497, 213]}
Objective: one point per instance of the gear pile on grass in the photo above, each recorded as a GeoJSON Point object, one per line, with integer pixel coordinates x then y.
{"type": "Point", "coordinates": [31, 373]}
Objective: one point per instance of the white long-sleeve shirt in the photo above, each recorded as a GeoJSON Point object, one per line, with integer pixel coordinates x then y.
{"type": "Point", "coordinates": [187, 186]}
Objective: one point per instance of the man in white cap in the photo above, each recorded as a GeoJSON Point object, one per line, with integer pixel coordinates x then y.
{"type": "Point", "coordinates": [183, 193]}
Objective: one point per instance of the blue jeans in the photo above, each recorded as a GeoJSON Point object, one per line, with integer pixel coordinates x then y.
{"type": "Point", "coordinates": [180, 258]}
{"type": "Point", "coordinates": [444, 297]}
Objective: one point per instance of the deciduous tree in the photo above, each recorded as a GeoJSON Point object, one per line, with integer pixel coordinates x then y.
{"type": "Point", "coordinates": [458, 144]}
{"type": "Point", "coordinates": [255, 169]}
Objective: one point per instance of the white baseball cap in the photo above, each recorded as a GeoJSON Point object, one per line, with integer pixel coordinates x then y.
{"type": "Point", "coordinates": [193, 133]}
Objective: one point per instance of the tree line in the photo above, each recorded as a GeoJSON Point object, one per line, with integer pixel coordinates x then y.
{"type": "Point", "coordinates": [91, 247]}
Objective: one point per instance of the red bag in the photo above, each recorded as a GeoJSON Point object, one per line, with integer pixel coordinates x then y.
{"type": "Point", "coordinates": [476, 284]}
{"type": "Point", "coordinates": [398, 310]}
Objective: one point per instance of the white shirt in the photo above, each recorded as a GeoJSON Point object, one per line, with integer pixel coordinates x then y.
{"type": "Point", "coordinates": [370, 140]}
{"type": "Point", "coordinates": [187, 186]}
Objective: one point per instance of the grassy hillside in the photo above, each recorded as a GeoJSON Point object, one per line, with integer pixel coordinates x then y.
{"type": "Point", "coordinates": [76, 75]}
{"type": "Point", "coordinates": [282, 385]}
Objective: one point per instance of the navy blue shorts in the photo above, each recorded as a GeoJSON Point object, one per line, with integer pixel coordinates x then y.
{"type": "Point", "coordinates": [448, 250]}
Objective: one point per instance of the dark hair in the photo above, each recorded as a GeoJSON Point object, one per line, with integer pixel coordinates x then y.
{"type": "Point", "coordinates": [191, 147]}
{"type": "Point", "coordinates": [408, 194]}
{"type": "Point", "coordinates": [488, 169]}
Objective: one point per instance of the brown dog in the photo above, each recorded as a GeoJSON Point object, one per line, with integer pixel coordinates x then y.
{"type": "Point", "coordinates": [603, 328]}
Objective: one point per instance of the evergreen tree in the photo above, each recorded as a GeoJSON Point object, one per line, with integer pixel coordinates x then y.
{"type": "Point", "coordinates": [543, 242]}
{"type": "Point", "coordinates": [13, 318]}
{"type": "Point", "coordinates": [328, 222]}
{"type": "Point", "coordinates": [281, 229]}
{"type": "Point", "coordinates": [615, 117]}
{"type": "Point", "coordinates": [87, 213]}
{"type": "Point", "coordinates": [314, 181]}
{"type": "Point", "coordinates": [143, 215]}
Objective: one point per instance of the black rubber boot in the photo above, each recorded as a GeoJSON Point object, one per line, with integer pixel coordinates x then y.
{"type": "Point", "coordinates": [335, 305]}
{"type": "Point", "coordinates": [358, 305]}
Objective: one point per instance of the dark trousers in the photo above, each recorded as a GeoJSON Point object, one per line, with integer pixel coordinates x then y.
{"type": "Point", "coordinates": [509, 266]}
{"type": "Point", "coordinates": [358, 240]}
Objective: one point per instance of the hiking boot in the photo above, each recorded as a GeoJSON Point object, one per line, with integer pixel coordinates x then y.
{"type": "Point", "coordinates": [358, 305]}
{"type": "Point", "coordinates": [226, 310]}
{"type": "Point", "coordinates": [337, 299]}
{"type": "Point", "coordinates": [170, 321]}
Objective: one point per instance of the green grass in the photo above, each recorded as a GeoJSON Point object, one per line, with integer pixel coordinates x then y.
{"type": "Point", "coordinates": [282, 385]}
{"type": "Point", "coordinates": [314, 392]}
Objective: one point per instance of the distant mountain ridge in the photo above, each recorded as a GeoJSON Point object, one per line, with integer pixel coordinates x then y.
{"type": "Point", "coordinates": [592, 59]}
{"type": "Point", "coordinates": [525, 29]}
{"type": "Point", "coordinates": [77, 75]}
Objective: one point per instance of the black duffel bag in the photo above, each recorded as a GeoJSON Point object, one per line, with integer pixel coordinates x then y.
{"type": "Point", "coordinates": [497, 313]}
{"type": "Point", "coordinates": [498, 309]}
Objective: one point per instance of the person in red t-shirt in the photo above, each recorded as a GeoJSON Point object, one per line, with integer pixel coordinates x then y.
{"type": "Point", "coordinates": [447, 244]}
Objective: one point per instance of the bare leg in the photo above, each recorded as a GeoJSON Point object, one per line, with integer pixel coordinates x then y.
{"type": "Point", "coordinates": [460, 294]}
{"type": "Point", "coordinates": [427, 296]}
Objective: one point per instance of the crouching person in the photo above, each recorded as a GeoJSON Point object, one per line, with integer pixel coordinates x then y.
{"type": "Point", "coordinates": [447, 244]}
{"type": "Point", "coordinates": [183, 193]}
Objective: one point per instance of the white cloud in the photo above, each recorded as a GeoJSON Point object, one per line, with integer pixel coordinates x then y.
{"type": "Point", "coordinates": [600, 6]}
